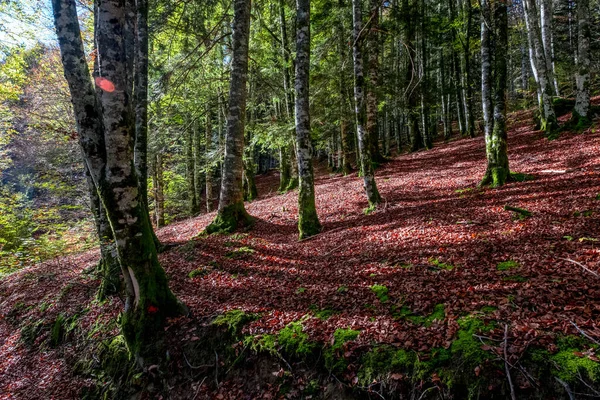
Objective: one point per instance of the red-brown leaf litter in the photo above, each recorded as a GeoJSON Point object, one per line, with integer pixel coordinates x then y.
{"type": "Point", "coordinates": [435, 239]}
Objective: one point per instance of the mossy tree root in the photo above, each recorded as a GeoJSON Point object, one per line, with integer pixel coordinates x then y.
{"type": "Point", "coordinates": [229, 219]}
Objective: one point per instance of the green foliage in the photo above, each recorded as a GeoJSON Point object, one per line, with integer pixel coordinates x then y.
{"type": "Point", "coordinates": [507, 265]}
{"type": "Point", "coordinates": [380, 362]}
{"type": "Point", "coordinates": [570, 363]}
{"type": "Point", "coordinates": [381, 292]}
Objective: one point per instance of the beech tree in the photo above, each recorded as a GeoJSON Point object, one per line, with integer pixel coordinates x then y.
{"type": "Point", "coordinates": [232, 213]}
{"type": "Point", "coordinates": [581, 112]}
{"type": "Point", "coordinates": [366, 164]}
{"type": "Point", "coordinates": [497, 171]}
{"type": "Point", "coordinates": [539, 65]}
{"type": "Point", "coordinates": [106, 126]}
{"type": "Point", "coordinates": [308, 221]}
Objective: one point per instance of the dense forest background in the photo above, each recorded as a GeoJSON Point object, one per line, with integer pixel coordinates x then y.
{"type": "Point", "coordinates": [424, 70]}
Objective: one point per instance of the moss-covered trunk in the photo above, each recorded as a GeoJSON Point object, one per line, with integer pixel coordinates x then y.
{"type": "Point", "coordinates": [497, 172]}
{"type": "Point", "coordinates": [284, 170]}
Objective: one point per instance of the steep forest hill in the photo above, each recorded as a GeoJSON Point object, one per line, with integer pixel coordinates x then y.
{"type": "Point", "coordinates": [439, 292]}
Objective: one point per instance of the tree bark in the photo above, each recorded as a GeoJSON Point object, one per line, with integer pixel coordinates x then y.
{"type": "Point", "coordinates": [547, 41]}
{"type": "Point", "coordinates": [159, 194]}
{"type": "Point", "coordinates": [208, 165]}
{"type": "Point", "coordinates": [190, 173]}
{"type": "Point", "coordinates": [486, 68]}
{"type": "Point", "coordinates": [547, 115]}
{"type": "Point", "coordinates": [367, 171]}
{"type": "Point", "coordinates": [232, 213]}
{"type": "Point", "coordinates": [372, 42]}
{"type": "Point", "coordinates": [496, 146]}
{"type": "Point", "coordinates": [308, 221]}
{"type": "Point", "coordinates": [581, 112]}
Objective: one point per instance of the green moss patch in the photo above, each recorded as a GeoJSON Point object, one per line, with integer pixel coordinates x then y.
{"type": "Point", "coordinates": [438, 314]}
{"type": "Point", "coordinates": [234, 320]}
{"type": "Point", "coordinates": [441, 265]}
{"type": "Point", "coordinates": [381, 292]}
{"type": "Point", "coordinates": [294, 341]}
{"type": "Point", "coordinates": [507, 265]}
{"type": "Point", "coordinates": [334, 357]}
{"type": "Point", "coordinates": [240, 252]}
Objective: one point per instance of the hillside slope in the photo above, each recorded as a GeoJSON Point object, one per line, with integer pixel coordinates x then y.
{"type": "Point", "coordinates": [439, 248]}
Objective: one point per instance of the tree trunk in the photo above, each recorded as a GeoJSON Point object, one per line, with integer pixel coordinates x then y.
{"type": "Point", "coordinates": [159, 193]}
{"type": "Point", "coordinates": [547, 114]}
{"type": "Point", "coordinates": [190, 173]}
{"type": "Point", "coordinates": [497, 172]}
{"type": "Point", "coordinates": [199, 172]}
{"type": "Point", "coordinates": [231, 213]}
{"type": "Point", "coordinates": [581, 112]}
{"type": "Point", "coordinates": [208, 164]}
{"type": "Point", "coordinates": [284, 170]}
{"type": "Point", "coordinates": [108, 267]}
{"type": "Point", "coordinates": [308, 221]}
{"type": "Point", "coordinates": [467, 87]}
{"type": "Point", "coordinates": [486, 68]}
{"type": "Point", "coordinates": [108, 135]}
{"type": "Point", "coordinates": [547, 41]}
{"type": "Point", "coordinates": [372, 42]}
{"type": "Point", "coordinates": [361, 118]}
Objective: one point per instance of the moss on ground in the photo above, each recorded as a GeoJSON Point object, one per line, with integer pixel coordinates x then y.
{"type": "Point", "coordinates": [334, 357]}
{"type": "Point", "coordinates": [240, 252]}
{"type": "Point", "coordinates": [507, 265]}
{"type": "Point", "coordinates": [381, 292]}
{"type": "Point", "coordinates": [294, 341]}
{"type": "Point", "coordinates": [438, 314]}
{"type": "Point", "coordinates": [234, 320]}
{"type": "Point", "coordinates": [441, 265]}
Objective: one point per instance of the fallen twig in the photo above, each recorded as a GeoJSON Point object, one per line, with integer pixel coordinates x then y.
{"type": "Point", "coordinates": [512, 388]}
{"type": "Point", "coordinates": [566, 386]}
{"type": "Point", "coordinates": [583, 333]}
{"type": "Point", "coordinates": [196, 366]}
{"type": "Point", "coordinates": [597, 275]}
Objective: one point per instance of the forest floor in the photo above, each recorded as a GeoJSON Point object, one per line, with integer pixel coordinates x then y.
{"type": "Point", "coordinates": [437, 249]}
